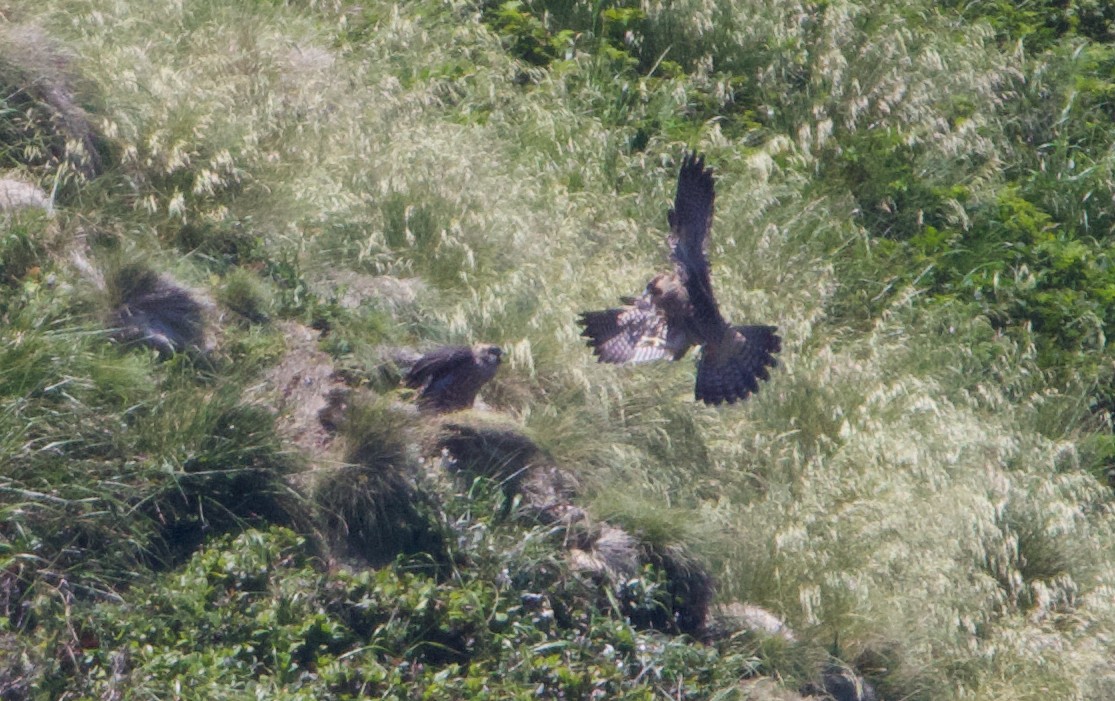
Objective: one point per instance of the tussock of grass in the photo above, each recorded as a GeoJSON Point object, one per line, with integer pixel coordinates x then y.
{"type": "Point", "coordinates": [47, 126]}
{"type": "Point", "coordinates": [220, 467]}
{"type": "Point", "coordinates": [372, 505]}
{"type": "Point", "coordinates": [149, 309]}
{"type": "Point", "coordinates": [499, 453]}
{"type": "Point", "coordinates": [246, 295]}
{"type": "Point", "coordinates": [22, 248]}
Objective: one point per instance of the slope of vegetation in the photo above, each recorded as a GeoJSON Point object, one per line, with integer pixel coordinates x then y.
{"type": "Point", "coordinates": [919, 194]}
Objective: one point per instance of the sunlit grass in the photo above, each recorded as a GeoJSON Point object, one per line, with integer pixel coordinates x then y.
{"type": "Point", "coordinates": [910, 483]}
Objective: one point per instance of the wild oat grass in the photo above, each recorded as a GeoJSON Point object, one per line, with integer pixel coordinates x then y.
{"type": "Point", "coordinates": [912, 483]}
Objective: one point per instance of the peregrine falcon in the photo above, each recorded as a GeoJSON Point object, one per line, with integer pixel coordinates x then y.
{"type": "Point", "coordinates": [449, 378]}
{"type": "Point", "coordinates": [678, 311]}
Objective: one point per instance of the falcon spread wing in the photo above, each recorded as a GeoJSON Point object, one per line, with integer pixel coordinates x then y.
{"type": "Point", "coordinates": [678, 310]}
{"type": "Point", "coordinates": [449, 378]}
{"type": "Point", "coordinates": [690, 220]}
{"type": "Point", "coordinates": [635, 333]}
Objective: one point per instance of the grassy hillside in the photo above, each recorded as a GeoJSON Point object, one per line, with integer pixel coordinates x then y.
{"type": "Point", "coordinates": [918, 194]}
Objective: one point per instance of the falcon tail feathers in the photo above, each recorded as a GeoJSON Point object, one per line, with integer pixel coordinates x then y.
{"type": "Point", "coordinates": [765, 337]}
{"type": "Point", "coordinates": [731, 370]}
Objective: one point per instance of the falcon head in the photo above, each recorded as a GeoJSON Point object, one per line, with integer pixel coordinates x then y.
{"type": "Point", "coordinates": [667, 292]}
{"type": "Point", "coordinates": [657, 287]}
{"type": "Point", "coordinates": [487, 355]}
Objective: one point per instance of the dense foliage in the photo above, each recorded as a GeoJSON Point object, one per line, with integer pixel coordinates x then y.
{"type": "Point", "coordinates": [213, 214]}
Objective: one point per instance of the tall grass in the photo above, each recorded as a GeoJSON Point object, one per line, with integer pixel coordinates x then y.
{"type": "Point", "coordinates": [912, 483]}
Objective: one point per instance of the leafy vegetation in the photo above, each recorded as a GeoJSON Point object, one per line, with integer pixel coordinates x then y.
{"type": "Point", "coordinates": [919, 195]}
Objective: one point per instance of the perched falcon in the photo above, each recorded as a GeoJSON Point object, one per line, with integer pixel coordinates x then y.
{"type": "Point", "coordinates": [450, 377]}
{"type": "Point", "coordinates": [678, 311]}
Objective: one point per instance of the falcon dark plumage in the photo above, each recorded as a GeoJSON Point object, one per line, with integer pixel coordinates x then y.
{"type": "Point", "coordinates": [678, 311]}
{"type": "Point", "coordinates": [449, 378]}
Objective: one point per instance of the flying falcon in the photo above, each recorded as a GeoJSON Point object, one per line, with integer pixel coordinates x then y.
{"type": "Point", "coordinates": [678, 311]}
{"type": "Point", "coordinates": [449, 378]}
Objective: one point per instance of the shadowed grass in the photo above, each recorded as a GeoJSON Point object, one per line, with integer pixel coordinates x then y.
{"type": "Point", "coordinates": [149, 309]}
{"type": "Point", "coordinates": [220, 467]}
{"type": "Point", "coordinates": [372, 507]}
